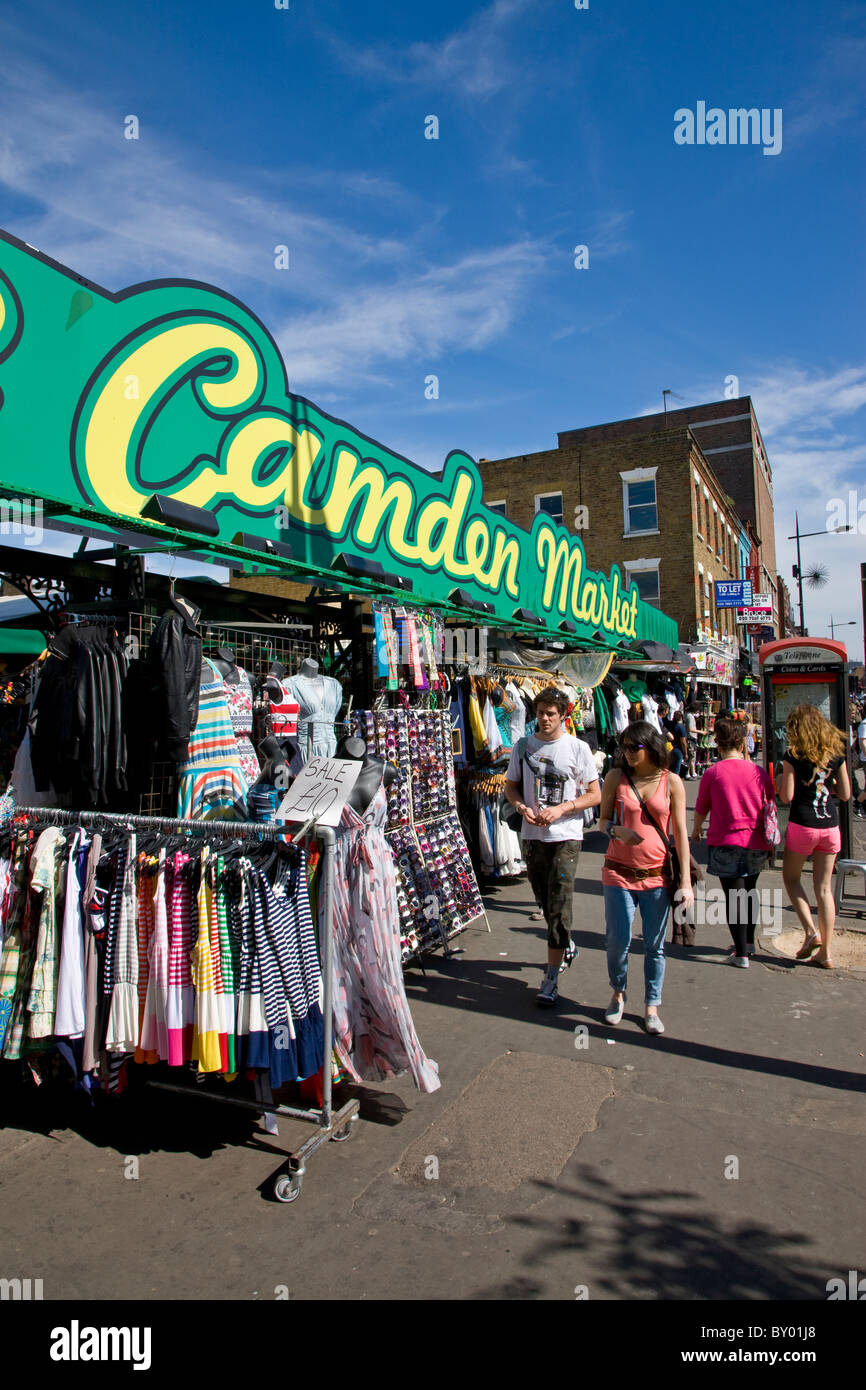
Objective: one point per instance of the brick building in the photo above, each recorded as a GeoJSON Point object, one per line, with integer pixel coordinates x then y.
{"type": "Point", "coordinates": [653, 505]}
{"type": "Point", "coordinates": [730, 440]}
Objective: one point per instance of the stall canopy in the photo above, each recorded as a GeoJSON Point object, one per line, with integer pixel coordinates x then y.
{"type": "Point", "coordinates": [164, 410]}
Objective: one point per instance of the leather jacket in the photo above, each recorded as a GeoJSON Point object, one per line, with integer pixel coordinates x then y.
{"type": "Point", "coordinates": [174, 657]}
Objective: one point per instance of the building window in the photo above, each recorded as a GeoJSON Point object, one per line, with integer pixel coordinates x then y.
{"type": "Point", "coordinates": [644, 574]}
{"type": "Point", "coordinates": [499, 507]}
{"type": "Point", "coordinates": [647, 585]}
{"type": "Point", "coordinates": [551, 504]}
{"type": "Point", "coordinates": [641, 512]}
{"type": "Point", "coordinates": [698, 509]}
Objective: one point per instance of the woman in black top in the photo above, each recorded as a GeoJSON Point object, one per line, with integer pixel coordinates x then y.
{"type": "Point", "coordinates": [814, 773]}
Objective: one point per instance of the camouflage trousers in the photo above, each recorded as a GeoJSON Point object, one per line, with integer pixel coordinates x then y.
{"type": "Point", "coordinates": [551, 865]}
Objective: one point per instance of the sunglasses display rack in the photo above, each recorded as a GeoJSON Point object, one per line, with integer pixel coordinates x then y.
{"type": "Point", "coordinates": [437, 892]}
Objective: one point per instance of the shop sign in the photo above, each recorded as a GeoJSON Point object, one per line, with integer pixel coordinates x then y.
{"type": "Point", "coordinates": [733, 593]}
{"type": "Point", "coordinates": [173, 387]}
{"type": "Point", "coordinates": [320, 791]}
{"type": "Point", "coordinates": [752, 615]}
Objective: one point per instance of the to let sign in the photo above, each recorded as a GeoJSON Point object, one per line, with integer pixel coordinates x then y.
{"type": "Point", "coordinates": [320, 791]}
{"type": "Point", "coordinates": [733, 593]}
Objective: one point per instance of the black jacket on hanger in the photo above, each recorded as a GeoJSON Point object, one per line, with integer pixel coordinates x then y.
{"type": "Point", "coordinates": [174, 657]}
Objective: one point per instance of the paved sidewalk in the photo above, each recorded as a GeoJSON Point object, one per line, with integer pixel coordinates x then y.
{"type": "Point", "coordinates": [722, 1160]}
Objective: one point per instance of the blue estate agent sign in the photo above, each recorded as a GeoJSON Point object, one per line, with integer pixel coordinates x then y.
{"type": "Point", "coordinates": [733, 593]}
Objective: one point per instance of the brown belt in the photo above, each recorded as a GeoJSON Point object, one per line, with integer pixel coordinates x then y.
{"type": "Point", "coordinates": [628, 872]}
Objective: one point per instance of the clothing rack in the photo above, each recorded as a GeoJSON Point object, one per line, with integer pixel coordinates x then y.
{"type": "Point", "coordinates": [339, 1127]}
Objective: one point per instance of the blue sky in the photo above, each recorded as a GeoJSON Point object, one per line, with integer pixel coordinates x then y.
{"type": "Point", "coordinates": [305, 127]}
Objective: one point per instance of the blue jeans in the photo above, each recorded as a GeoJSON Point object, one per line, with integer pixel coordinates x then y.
{"type": "Point", "coordinates": [677, 761]}
{"type": "Point", "coordinates": [620, 905]}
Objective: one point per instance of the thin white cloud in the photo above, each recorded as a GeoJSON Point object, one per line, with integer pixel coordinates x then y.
{"type": "Point", "coordinates": [456, 308]}
{"type": "Point", "coordinates": [474, 61]}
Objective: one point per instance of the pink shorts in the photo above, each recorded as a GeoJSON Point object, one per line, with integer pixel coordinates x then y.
{"type": "Point", "coordinates": [804, 839]}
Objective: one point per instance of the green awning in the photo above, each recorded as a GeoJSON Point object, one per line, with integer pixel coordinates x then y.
{"type": "Point", "coordinates": [21, 641]}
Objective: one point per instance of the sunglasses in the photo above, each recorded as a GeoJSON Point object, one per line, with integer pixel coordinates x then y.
{"type": "Point", "coordinates": [633, 747]}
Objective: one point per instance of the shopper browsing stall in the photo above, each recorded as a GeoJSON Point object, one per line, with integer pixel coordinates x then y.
{"type": "Point", "coordinates": [551, 779]}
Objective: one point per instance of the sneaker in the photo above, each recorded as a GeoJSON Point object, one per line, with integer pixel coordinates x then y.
{"type": "Point", "coordinates": [741, 962]}
{"type": "Point", "coordinates": [570, 955]}
{"type": "Point", "coordinates": [548, 994]}
{"type": "Point", "coordinates": [613, 1013]}
{"type": "Point", "coordinates": [653, 1024]}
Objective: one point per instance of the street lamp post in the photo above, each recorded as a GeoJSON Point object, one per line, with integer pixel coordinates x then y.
{"type": "Point", "coordinates": [850, 623]}
{"type": "Point", "coordinates": [798, 569]}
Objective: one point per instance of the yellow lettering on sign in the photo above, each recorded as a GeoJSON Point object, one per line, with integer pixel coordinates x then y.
{"type": "Point", "coordinates": [447, 514]}
{"type": "Point", "coordinates": [116, 422]}
{"type": "Point", "coordinates": [563, 565]}
{"type": "Point", "coordinates": [506, 552]}
{"type": "Point", "coordinates": [256, 439]}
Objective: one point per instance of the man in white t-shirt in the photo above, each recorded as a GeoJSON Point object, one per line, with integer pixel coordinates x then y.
{"type": "Point", "coordinates": [551, 784]}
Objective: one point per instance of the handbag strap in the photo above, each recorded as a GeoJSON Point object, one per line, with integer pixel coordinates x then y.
{"type": "Point", "coordinates": [649, 815]}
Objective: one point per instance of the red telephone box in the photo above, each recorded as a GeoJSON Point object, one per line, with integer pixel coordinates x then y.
{"type": "Point", "coordinates": [803, 671]}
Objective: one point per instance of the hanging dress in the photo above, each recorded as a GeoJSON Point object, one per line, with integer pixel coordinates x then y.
{"type": "Point", "coordinates": [239, 699]}
{"type": "Point", "coordinates": [180, 1007]}
{"type": "Point", "coordinates": [121, 971]}
{"type": "Point", "coordinates": [374, 1034]}
{"type": "Point", "coordinates": [319, 699]}
{"type": "Point", "coordinates": [284, 712]}
{"type": "Point", "coordinates": [212, 785]}
{"type": "Point", "coordinates": [154, 1027]}
{"type": "Point", "coordinates": [208, 1035]}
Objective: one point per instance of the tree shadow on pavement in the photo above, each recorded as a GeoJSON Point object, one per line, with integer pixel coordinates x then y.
{"type": "Point", "coordinates": [655, 1244]}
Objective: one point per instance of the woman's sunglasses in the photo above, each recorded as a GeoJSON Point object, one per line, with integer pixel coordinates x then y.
{"type": "Point", "coordinates": [632, 747]}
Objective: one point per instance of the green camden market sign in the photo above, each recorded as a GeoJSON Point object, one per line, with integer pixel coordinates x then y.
{"type": "Point", "coordinates": [172, 388]}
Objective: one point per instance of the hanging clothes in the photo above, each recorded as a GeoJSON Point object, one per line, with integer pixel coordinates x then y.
{"type": "Point", "coordinates": [239, 699]}
{"type": "Point", "coordinates": [374, 1034]}
{"type": "Point", "coordinates": [284, 711]}
{"type": "Point", "coordinates": [319, 699]}
{"type": "Point", "coordinates": [212, 785]}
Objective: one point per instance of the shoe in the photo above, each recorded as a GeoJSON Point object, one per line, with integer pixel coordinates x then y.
{"type": "Point", "coordinates": [570, 955]}
{"type": "Point", "coordinates": [536, 916]}
{"type": "Point", "coordinates": [822, 964]}
{"type": "Point", "coordinates": [613, 1014]}
{"type": "Point", "coordinates": [809, 945]}
{"type": "Point", "coordinates": [653, 1024]}
{"type": "Point", "coordinates": [548, 994]}
{"type": "Point", "coordinates": [741, 962]}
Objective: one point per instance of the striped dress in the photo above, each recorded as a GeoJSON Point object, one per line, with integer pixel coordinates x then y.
{"type": "Point", "coordinates": [212, 785]}
{"type": "Point", "coordinates": [180, 1004]}
{"type": "Point", "coordinates": [154, 1027]}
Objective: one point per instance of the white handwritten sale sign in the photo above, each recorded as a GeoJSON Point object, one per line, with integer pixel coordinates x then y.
{"type": "Point", "coordinates": [320, 791]}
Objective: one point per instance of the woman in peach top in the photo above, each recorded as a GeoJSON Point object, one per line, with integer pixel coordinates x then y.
{"type": "Point", "coordinates": [634, 867]}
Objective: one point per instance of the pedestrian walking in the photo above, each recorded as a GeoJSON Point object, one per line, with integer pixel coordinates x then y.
{"type": "Point", "coordinates": [814, 774]}
{"type": "Point", "coordinates": [678, 736]}
{"type": "Point", "coordinates": [551, 779]}
{"type": "Point", "coordinates": [734, 792]}
{"type": "Point", "coordinates": [640, 801]}
{"type": "Point", "coordinates": [858, 759]}
{"type": "Point", "coordinates": [691, 742]}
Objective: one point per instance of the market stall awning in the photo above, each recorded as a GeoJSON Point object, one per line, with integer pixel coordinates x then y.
{"type": "Point", "coordinates": [166, 415]}
{"type": "Point", "coordinates": [21, 641]}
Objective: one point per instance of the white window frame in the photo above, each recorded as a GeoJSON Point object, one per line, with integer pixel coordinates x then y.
{"type": "Point", "coordinates": [539, 497]}
{"type": "Point", "coordinates": [499, 502]}
{"type": "Point", "coordinates": [643, 566]}
{"type": "Point", "coordinates": [637, 475]}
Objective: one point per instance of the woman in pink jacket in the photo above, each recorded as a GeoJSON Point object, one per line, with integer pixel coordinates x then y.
{"type": "Point", "coordinates": [734, 792]}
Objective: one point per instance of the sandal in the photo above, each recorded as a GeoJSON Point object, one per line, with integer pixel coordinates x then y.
{"type": "Point", "coordinates": [809, 945]}
{"type": "Point", "coordinates": [823, 964]}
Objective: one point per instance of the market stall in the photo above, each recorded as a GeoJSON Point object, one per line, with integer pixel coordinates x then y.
{"type": "Point", "coordinates": [166, 720]}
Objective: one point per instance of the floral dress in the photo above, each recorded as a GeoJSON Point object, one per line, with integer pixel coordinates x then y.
{"type": "Point", "coordinates": [374, 1035]}
{"type": "Point", "coordinates": [239, 698]}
